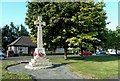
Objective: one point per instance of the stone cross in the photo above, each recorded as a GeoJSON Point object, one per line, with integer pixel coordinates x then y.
{"type": "Point", "coordinates": [39, 25]}
{"type": "Point", "coordinates": [39, 61]}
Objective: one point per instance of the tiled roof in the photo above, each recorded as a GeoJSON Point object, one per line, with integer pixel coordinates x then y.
{"type": "Point", "coordinates": [23, 41]}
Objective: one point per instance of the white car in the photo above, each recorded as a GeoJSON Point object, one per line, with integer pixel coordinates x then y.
{"type": "Point", "coordinates": [113, 51]}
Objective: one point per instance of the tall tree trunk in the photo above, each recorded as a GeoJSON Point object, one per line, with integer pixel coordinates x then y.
{"type": "Point", "coordinates": [83, 56]}
{"type": "Point", "coordinates": [95, 49]}
{"type": "Point", "coordinates": [81, 49]}
{"type": "Point", "coordinates": [116, 50]}
{"type": "Point", "coordinates": [54, 50]}
{"type": "Point", "coordinates": [65, 53]}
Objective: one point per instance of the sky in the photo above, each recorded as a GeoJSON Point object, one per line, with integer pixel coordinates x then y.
{"type": "Point", "coordinates": [112, 14]}
{"type": "Point", "coordinates": [15, 11]}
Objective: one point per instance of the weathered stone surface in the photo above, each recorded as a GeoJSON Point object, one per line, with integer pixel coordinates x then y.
{"type": "Point", "coordinates": [39, 61]}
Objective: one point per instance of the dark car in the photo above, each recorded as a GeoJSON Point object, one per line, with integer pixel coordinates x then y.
{"type": "Point", "coordinates": [2, 55]}
{"type": "Point", "coordinates": [85, 53]}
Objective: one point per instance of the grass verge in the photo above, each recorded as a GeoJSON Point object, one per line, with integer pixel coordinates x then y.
{"type": "Point", "coordinates": [7, 75]}
{"type": "Point", "coordinates": [0, 70]}
{"type": "Point", "coordinates": [97, 67]}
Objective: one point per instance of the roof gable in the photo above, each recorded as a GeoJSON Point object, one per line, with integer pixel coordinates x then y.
{"type": "Point", "coordinates": [23, 41]}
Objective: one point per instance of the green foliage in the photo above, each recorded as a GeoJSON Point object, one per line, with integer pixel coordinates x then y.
{"type": "Point", "coordinates": [12, 32]}
{"type": "Point", "coordinates": [118, 38]}
{"type": "Point", "coordinates": [80, 39]}
{"type": "Point", "coordinates": [23, 31]}
{"type": "Point", "coordinates": [113, 41]}
{"type": "Point", "coordinates": [68, 24]}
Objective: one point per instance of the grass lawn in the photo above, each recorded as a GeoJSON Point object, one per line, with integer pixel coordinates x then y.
{"type": "Point", "coordinates": [0, 70]}
{"type": "Point", "coordinates": [98, 67]}
{"type": "Point", "coordinates": [7, 75]}
{"type": "Point", "coordinates": [26, 56]}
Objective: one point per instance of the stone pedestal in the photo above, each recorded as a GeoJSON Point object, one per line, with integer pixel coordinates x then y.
{"type": "Point", "coordinates": [39, 61]}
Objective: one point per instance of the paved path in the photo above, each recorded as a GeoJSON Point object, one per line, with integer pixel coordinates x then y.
{"type": "Point", "coordinates": [58, 72]}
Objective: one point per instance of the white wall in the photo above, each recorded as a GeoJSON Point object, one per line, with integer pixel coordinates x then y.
{"type": "Point", "coordinates": [11, 48]}
{"type": "Point", "coordinates": [17, 49]}
{"type": "Point", "coordinates": [24, 50]}
{"type": "Point", "coordinates": [59, 50]}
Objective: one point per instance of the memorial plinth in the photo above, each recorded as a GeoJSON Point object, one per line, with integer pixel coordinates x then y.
{"type": "Point", "coordinates": [39, 61]}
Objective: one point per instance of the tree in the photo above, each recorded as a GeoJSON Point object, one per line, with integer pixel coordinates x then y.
{"type": "Point", "coordinates": [117, 39]}
{"type": "Point", "coordinates": [53, 14]}
{"type": "Point", "coordinates": [6, 36]}
{"type": "Point", "coordinates": [0, 38]}
{"type": "Point", "coordinates": [23, 31]}
{"type": "Point", "coordinates": [90, 25]}
{"type": "Point", "coordinates": [113, 39]}
{"type": "Point", "coordinates": [11, 33]}
{"type": "Point", "coordinates": [68, 24]}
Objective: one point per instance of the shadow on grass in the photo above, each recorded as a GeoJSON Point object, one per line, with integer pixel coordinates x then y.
{"type": "Point", "coordinates": [62, 64]}
{"type": "Point", "coordinates": [96, 58]}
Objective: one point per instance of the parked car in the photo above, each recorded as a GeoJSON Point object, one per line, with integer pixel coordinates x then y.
{"type": "Point", "coordinates": [101, 52]}
{"type": "Point", "coordinates": [2, 55]}
{"type": "Point", "coordinates": [113, 51]}
{"type": "Point", "coordinates": [85, 53]}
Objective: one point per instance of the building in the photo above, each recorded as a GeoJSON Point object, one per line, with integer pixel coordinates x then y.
{"type": "Point", "coordinates": [22, 45]}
